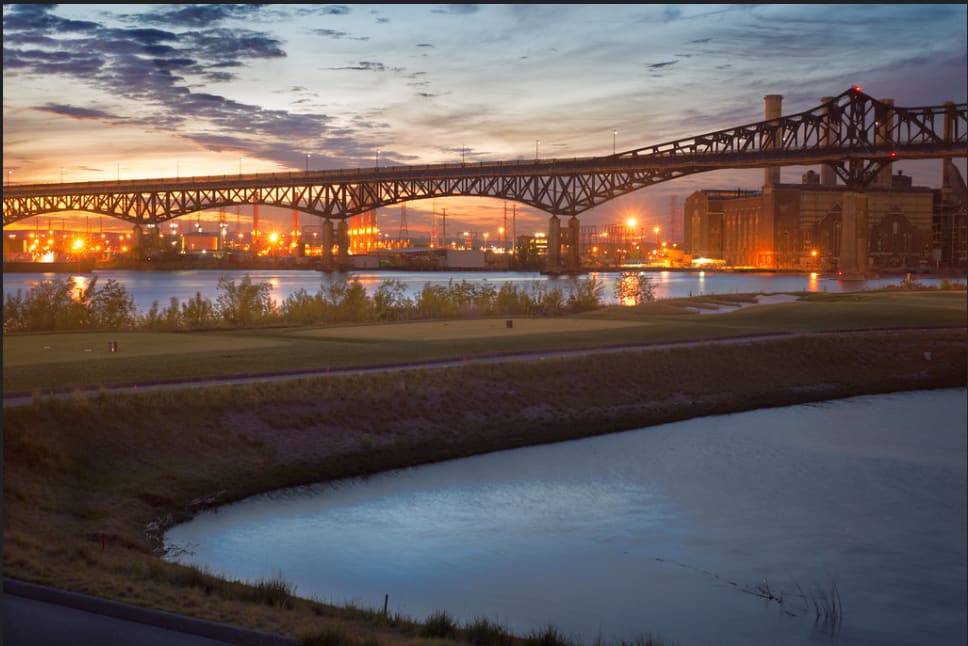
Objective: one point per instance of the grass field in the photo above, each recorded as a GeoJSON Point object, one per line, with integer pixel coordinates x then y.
{"type": "Point", "coordinates": [50, 361]}
{"type": "Point", "coordinates": [115, 470]}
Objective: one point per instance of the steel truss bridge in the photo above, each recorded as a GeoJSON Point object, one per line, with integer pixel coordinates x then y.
{"type": "Point", "coordinates": [853, 133]}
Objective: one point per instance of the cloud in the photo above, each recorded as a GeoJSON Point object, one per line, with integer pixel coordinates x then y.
{"type": "Point", "coordinates": [202, 15]}
{"type": "Point", "coordinates": [76, 112]}
{"type": "Point", "coordinates": [152, 70]}
{"type": "Point", "coordinates": [657, 66]}
{"type": "Point", "coordinates": [369, 66]}
{"type": "Point", "coordinates": [457, 9]}
{"type": "Point", "coordinates": [38, 18]}
{"type": "Point", "coordinates": [338, 35]}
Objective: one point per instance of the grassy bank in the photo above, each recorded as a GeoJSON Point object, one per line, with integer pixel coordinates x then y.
{"type": "Point", "coordinates": [90, 484]}
{"type": "Point", "coordinates": [37, 362]}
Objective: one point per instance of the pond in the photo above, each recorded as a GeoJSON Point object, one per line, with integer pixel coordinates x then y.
{"type": "Point", "coordinates": [730, 530]}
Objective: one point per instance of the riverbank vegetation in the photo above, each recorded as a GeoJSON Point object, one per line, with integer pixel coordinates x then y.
{"type": "Point", "coordinates": [59, 304]}
{"type": "Point", "coordinates": [92, 481]}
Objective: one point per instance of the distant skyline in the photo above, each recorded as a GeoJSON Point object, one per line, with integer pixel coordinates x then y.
{"type": "Point", "coordinates": [94, 92]}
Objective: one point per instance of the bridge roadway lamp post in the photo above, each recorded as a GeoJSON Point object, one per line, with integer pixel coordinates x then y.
{"type": "Point", "coordinates": [307, 162]}
{"type": "Point", "coordinates": [614, 134]}
{"type": "Point", "coordinates": [536, 142]}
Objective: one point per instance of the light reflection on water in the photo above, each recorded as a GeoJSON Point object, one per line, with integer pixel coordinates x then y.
{"type": "Point", "coordinates": [665, 530]}
{"type": "Point", "coordinates": [147, 287]}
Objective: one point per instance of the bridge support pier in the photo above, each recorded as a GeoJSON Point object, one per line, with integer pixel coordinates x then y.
{"type": "Point", "coordinates": [326, 251]}
{"type": "Point", "coordinates": [853, 236]}
{"type": "Point", "coordinates": [554, 244]}
{"type": "Point", "coordinates": [573, 260]}
{"type": "Point", "coordinates": [343, 245]}
{"type": "Point", "coordinates": [137, 242]}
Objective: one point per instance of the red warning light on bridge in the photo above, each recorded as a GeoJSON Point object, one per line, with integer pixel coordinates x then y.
{"type": "Point", "coordinates": [892, 154]}
{"type": "Point", "coordinates": [857, 89]}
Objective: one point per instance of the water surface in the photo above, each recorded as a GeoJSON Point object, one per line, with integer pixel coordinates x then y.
{"type": "Point", "coordinates": [675, 530]}
{"type": "Point", "coordinates": [147, 287]}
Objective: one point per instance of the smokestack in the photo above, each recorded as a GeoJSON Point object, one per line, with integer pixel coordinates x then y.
{"type": "Point", "coordinates": [827, 175]}
{"type": "Point", "coordinates": [773, 111]}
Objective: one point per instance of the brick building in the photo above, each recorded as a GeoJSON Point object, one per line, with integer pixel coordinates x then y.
{"type": "Point", "coordinates": [891, 225]}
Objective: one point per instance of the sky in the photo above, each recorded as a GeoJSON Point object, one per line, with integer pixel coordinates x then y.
{"type": "Point", "coordinates": [95, 92]}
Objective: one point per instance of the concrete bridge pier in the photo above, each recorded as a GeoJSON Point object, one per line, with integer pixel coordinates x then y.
{"type": "Point", "coordinates": [573, 261]}
{"type": "Point", "coordinates": [137, 242]}
{"type": "Point", "coordinates": [343, 244]}
{"type": "Point", "coordinates": [326, 258]}
{"type": "Point", "coordinates": [554, 244]}
{"type": "Point", "coordinates": [853, 236]}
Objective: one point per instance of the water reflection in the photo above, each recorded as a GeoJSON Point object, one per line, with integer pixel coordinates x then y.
{"type": "Point", "coordinates": [81, 284]}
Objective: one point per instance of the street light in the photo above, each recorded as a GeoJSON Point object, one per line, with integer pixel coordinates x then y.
{"type": "Point", "coordinates": [377, 157]}
{"type": "Point", "coordinates": [656, 231]}
{"type": "Point", "coordinates": [307, 162]}
{"type": "Point", "coordinates": [614, 133]}
{"type": "Point", "coordinates": [536, 142]}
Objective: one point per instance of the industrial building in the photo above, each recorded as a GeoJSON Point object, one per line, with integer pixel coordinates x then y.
{"type": "Point", "coordinates": [893, 225]}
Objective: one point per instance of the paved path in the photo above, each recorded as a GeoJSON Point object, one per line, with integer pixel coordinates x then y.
{"type": "Point", "coordinates": [35, 615]}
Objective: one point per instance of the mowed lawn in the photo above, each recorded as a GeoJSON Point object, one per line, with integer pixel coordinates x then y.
{"type": "Point", "coordinates": [85, 346]}
{"type": "Point", "coordinates": [472, 329]}
{"type": "Point", "coordinates": [39, 362]}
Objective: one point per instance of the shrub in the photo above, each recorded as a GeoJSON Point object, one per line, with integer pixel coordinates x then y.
{"type": "Point", "coordinates": [439, 624]}
{"type": "Point", "coordinates": [244, 303]}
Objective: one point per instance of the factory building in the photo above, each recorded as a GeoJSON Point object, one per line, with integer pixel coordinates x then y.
{"type": "Point", "coordinates": [819, 225]}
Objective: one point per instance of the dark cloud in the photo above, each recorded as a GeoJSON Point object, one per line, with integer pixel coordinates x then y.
{"type": "Point", "coordinates": [37, 18]}
{"type": "Point", "coordinates": [201, 15]}
{"type": "Point", "coordinates": [334, 10]}
{"type": "Point", "coordinates": [658, 66]}
{"type": "Point", "coordinates": [369, 66]}
{"type": "Point", "coordinates": [338, 35]}
{"type": "Point", "coordinates": [457, 9]}
{"type": "Point", "coordinates": [76, 112]}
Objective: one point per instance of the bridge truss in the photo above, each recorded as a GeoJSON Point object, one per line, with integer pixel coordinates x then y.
{"type": "Point", "coordinates": [853, 133]}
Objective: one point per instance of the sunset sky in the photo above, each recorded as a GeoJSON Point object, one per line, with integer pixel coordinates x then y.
{"type": "Point", "coordinates": [94, 92]}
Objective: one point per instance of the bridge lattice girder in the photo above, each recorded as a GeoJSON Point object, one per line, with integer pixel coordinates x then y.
{"type": "Point", "coordinates": [853, 133]}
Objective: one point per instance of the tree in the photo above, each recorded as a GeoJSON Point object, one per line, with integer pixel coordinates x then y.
{"type": "Point", "coordinates": [245, 303]}
{"type": "Point", "coordinates": [111, 306]}
{"type": "Point", "coordinates": [634, 288]}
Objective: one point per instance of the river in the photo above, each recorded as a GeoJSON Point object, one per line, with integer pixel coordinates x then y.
{"type": "Point", "coordinates": [727, 530]}
{"type": "Point", "coordinates": [147, 287]}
